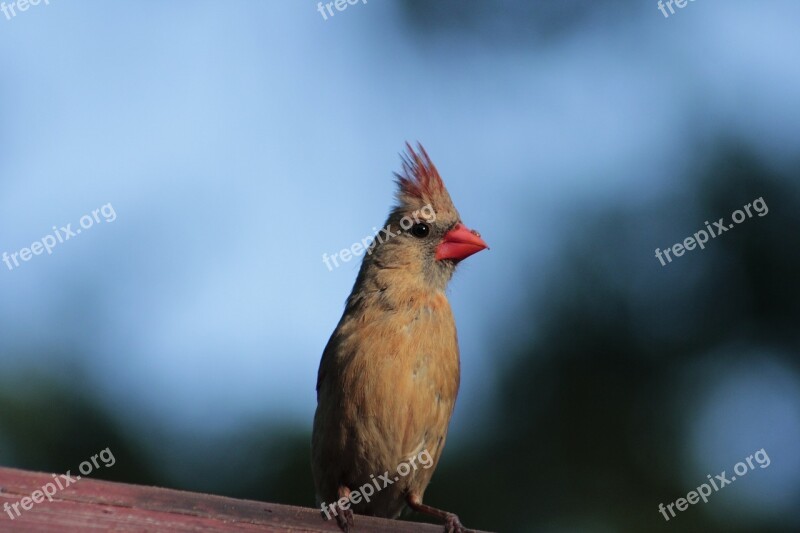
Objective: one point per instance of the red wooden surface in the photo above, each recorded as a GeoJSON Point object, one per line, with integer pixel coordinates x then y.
{"type": "Point", "coordinates": [91, 505]}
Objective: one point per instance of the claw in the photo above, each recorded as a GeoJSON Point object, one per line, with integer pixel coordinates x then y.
{"type": "Point", "coordinates": [453, 525]}
{"type": "Point", "coordinates": [345, 520]}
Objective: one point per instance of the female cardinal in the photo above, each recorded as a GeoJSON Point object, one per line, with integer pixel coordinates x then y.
{"type": "Point", "coordinates": [389, 375]}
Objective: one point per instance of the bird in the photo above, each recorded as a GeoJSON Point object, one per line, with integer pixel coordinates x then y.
{"type": "Point", "coordinates": [390, 373]}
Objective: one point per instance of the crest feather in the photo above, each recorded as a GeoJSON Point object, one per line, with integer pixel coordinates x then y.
{"type": "Point", "coordinates": [419, 184]}
{"type": "Point", "coordinates": [419, 178]}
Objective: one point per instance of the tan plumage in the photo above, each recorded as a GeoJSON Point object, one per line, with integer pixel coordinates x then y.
{"type": "Point", "coordinates": [389, 375]}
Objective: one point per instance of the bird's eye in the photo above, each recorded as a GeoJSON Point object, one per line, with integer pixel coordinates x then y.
{"type": "Point", "coordinates": [420, 230]}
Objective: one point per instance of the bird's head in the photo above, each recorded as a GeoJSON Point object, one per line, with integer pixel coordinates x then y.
{"type": "Point", "coordinates": [424, 234]}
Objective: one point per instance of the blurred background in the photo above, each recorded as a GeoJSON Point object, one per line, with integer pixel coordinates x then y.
{"type": "Point", "coordinates": [240, 141]}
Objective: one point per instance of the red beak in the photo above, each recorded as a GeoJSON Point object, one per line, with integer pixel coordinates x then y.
{"type": "Point", "coordinates": [460, 243]}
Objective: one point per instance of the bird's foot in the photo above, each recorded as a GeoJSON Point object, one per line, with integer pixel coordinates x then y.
{"type": "Point", "coordinates": [451, 522]}
{"type": "Point", "coordinates": [453, 525]}
{"type": "Point", "coordinates": [345, 520]}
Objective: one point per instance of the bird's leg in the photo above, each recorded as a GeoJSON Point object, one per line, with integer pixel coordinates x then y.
{"type": "Point", "coordinates": [451, 522]}
{"type": "Point", "coordinates": [345, 516]}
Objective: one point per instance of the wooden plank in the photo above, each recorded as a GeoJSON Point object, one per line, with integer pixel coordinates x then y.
{"type": "Point", "coordinates": [92, 505]}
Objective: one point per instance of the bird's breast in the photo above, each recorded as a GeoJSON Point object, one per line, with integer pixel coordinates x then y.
{"type": "Point", "coordinates": [389, 387]}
